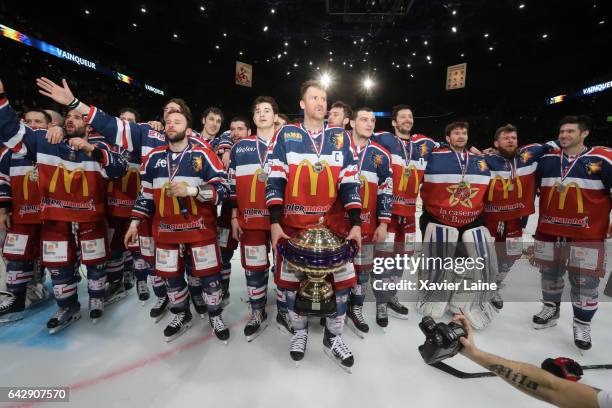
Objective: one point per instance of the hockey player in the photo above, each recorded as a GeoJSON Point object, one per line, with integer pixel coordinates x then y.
{"type": "Point", "coordinates": [72, 185]}
{"type": "Point", "coordinates": [239, 129]}
{"type": "Point", "coordinates": [339, 115]}
{"type": "Point", "coordinates": [409, 153]}
{"type": "Point", "coordinates": [453, 192]}
{"type": "Point", "coordinates": [138, 139]}
{"type": "Point", "coordinates": [311, 167]}
{"type": "Point", "coordinates": [181, 185]}
{"type": "Point", "coordinates": [20, 216]}
{"type": "Point", "coordinates": [281, 121]}
{"type": "Point", "coordinates": [376, 180]}
{"type": "Point", "coordinates": [510, 197]}
{"type": "Point", "coordinates": [575, 204]}
{"type": "Point", "coordinates": [250, 217]}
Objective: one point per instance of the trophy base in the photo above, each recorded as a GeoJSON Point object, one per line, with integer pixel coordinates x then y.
{"type": "Point", "coordinates": [306, 307]}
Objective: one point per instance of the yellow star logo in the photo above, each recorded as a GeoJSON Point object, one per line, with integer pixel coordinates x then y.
{"type": "Point", "coordinates": [462, 193]}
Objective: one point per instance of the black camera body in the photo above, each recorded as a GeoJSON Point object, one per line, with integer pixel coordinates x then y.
{"type": "Point", "coordinates": [441, 340]}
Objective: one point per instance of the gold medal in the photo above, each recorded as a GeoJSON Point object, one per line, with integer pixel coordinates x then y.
{"type": "Point", "coordinates": [561, 188]}
{"type": "Point", "coordinates": [510, 187]}
{"type": "Point", "coordinates": [262, 177]}
{"type": "Point", "coordinates": [34, 175]}
{"type": "Point", "coordinates": [168, 192]}
{"type": "Point", "coordinates": [407, 172]}
{"type": "Point", "coordinates": [318, 167]}
{"type": "Point", "coordinates": [463, 184]}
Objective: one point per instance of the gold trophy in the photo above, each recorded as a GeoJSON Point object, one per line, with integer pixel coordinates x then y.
{"type": "Point", "coordinates": [315, 253]}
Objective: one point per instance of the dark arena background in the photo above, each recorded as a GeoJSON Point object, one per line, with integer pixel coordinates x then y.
{"type": "Point", "coordinates": [528, 63]}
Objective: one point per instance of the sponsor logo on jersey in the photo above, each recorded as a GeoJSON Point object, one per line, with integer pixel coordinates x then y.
{"type": "Point", "coordinates": [593, 167]}
{"type": "Point", "coordinates": [377, 159]}
{"type": "Point", "coordinates": [153, 134]}
{"type": "Point", "coordinates": [295, 136]}
{"type": "Point", "coordinates": [160, 163]}
{"type": "Point", "coordinates": [196, 162]}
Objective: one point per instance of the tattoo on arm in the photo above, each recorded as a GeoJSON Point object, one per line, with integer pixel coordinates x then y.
{"type": "Point", "coordinates": [514, 377]}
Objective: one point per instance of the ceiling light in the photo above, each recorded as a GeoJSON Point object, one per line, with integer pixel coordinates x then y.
{"type": "Point", "coordinates": [425, 42]}
{"type": "Point", "coordinates": [176, 36]}
{"type": "Point", "coordinates": [490, 48]}
{"type": "Point", "coordinates": [326, 79]}
{"type": "Point", "coordinates": [522, 6]}
{"type": "Point", "coordinates": [202, 8]}
{"type": "Point", "coordinates": [134, 25]}
{"type": "Point", "coordinates": [143, 10]}
{"type": "Point", "coordinates": [454, 29]}
{"type": "Point", "coordinates": [544, 35]}
{"type": "Point", "coordinates": [87, 12]}
{"type": "Point", "coordinates": [368, 83]}
{"type": "Point", "coordinates": [265, 28]}
{"type": "Point", "coordinates": [272, 11]}
{"type": "Point", "coordinates": [486, 35]}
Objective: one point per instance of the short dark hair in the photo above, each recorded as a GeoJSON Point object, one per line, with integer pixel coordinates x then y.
{"type": "Point", "coordinates": [181, 103]}
{"type": "Point", "coordinates": [284, 117]}
{"type": "Point", "coordinates": [311, 83]}
{"type": "Point", "coordinates": [397, 109]}
{"type": "Point", "coordinates": [47, 117]}
{"type": "Point", "coordinates": [362, 109]}
{"type": "Point", "coordinates": [265, 99]}
{"type": "Point", "coordinates": [187, 115]}
{"type": "Point", "coordinates": [214, 110]}
{"type": "Point", "coordinates": [504, 129]}
{"type": "Point", "coordinates": [583, 121]}
{"type": "Point", "coordinates": [242, 119]}
{"type": "Point", "coordinates": [456, 125]}
{"type": "Point", "coordinates": [133, 111]}
{"type": "Point", "coordinates": [348, 112]}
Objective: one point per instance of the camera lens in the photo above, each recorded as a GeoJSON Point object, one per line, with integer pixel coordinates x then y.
{"type": "Point", "coordinates": [427, 325]}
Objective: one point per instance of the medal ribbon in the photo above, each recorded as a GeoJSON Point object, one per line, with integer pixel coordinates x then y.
{"type": "Point", "coordinates": [262, 162]}
{"type": "Point", "coordinates": [463, 167]}
{"type": "Point", "coordinates": [564, 173]}
{"type": "Point", "coordinates": [172, 174]}
{"type": "Point", "coordinates": [320, 148]}
{"type": "Point", "coordinates": [407, 157]}
{"type": "Point", "coordinates": [363, 154]}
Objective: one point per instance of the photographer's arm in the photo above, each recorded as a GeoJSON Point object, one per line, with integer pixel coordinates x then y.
{"type": "Point", "coordinates": [530, 379]}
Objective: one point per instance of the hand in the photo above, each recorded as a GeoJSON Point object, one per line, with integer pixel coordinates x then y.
{"type": "Point", "coordinates": [490, 150]}
{"type": "Point", "coordinates": [469, 347]}
{"type": "Point", "coordinates": [225, 159]}
{"type": "Point", "coordinates": [474, 150]}
{"type": "Point", "coordinates": [5, 219]}
{"type": "Point", "coordinates": [563, 367]}
{"type": "Point", "coordinates": [355, 235]}
{"type": "Point", "coordinates": [55, 134]}
{"type": "Point", "coordinates": [60, 94]}
{"type": "Point", "coordinates": [131, 236]}
{"type": "Point", "coordinates": [78, 143]}
{"type": "Point", "coordinates": [178, 189]}
{"type": "Point", "coordinates": [276, 233]}
{"type": "Point", "coordinates": [380, 235]}
{"type": "Point", "coordinates": [157, 126]}
{"type": "Point", "coordinates": [236, 230]}
{"type": "Point", "coordinates": [1, 87]}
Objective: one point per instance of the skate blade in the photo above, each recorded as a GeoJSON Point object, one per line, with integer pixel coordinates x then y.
{"type": "Point", "coordinates": [544, 326]}
{"type": "Point", "coordinates": [331, 356]}
{"type": "Point", "coordinates": [283, 329]}
{"type": "Point", "coordinates": [185, 327]}
{"type": "Point", "coordinates": [115, 298]}
{"type": "Point", "coordinates": [73, 319]}
{"type": "Point", "coordinates": [395, 315]}
{"type": "Point", "coordinates": [253, 336]}
{"type": "Point", "coordinates": [12, 318]}
{"type": "Point", "coordinates": [354, 329]}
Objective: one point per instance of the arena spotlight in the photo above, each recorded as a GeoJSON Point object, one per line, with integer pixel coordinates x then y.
{"type": "Point", "coordinates": [368, 83]}
{"type": "Point", "coordinates": [326, 79]}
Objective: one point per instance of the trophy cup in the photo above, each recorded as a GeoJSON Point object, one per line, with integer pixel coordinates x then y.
{"type": "Point", "coordinates": [316, 253]}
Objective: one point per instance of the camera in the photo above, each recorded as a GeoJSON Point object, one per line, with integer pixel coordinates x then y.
{"type": "Point", "coordinates": [441, 340]}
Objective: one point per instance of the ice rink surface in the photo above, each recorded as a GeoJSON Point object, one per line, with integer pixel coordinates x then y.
{"type": "Point", "coordinates": [123, 360]}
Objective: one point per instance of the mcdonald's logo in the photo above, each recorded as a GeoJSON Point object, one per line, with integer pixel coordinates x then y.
{"type": "Point", "coordinates": [403, 185]}
{"type": "Point", "coordinates": [563, 196]}
{"type": "Point", "coordinates": [175, 203]}
{"type": "Point", "coordinates": [505, 183]}
{"type": "Point", "coordinates": [30, 175]}
{"type": "Point", "coordinates": [254, 185]}
{"type": "Point", "coordinates": [366, 191]}
{"type": "Point", "coordinates": [68, 176]}
{"type": "Point", "coordinates": [125, 181]}
{"type": "Point", "coordinates": [314, 178]}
